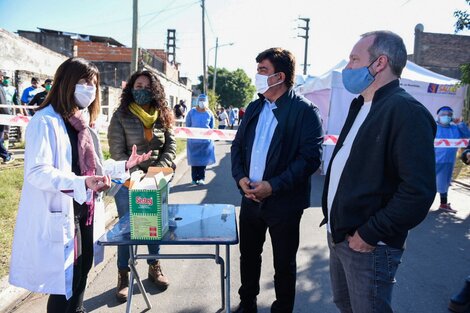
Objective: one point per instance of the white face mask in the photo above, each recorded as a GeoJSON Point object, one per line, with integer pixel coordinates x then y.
{"type": "Point", "coordinates": [261, 83]}
{"type": "Point", "coordinates": [202, 104]}
{"type": "Point", "coordinates": [84, 95]}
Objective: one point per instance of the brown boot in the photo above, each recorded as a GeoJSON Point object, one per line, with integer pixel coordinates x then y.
{"type": "Point", "coordinates": [156, 275]}
{"type": "Point", "coordinates": [122, 285]}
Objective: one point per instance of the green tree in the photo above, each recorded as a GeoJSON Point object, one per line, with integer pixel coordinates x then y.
{"type": "Point", "coordinates": [463, 22]}
{"type": "Point", "coordinates": [213, 100]}
{"type": "Point", "coordinates": [232, 88]}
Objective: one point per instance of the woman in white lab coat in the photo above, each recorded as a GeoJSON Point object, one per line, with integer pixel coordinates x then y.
{"type": "Point", "coordinates": [60, 203]}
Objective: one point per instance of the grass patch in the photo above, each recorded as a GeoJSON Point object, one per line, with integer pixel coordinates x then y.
{"type": "Point", "coordinates": [180, 145]}
{"type": "Point", "coordinates": [461, 170]}
{"type": "Point", "coordinates": [11, 182]}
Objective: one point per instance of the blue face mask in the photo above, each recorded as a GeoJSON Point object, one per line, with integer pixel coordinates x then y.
{"type": "Point", "coordinates": [445, 119]}
{"type": "Point", "coordinates": [357, 80]}
{"type": "Point", "coordinates": [142, 96]}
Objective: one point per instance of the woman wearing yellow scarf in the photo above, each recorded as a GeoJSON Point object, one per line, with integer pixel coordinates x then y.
{"type": "Point", "coordinates": [145, 120]}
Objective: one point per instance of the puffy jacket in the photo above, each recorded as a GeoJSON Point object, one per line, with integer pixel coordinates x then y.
{"type": "Point", "coordinates": [126, 130]}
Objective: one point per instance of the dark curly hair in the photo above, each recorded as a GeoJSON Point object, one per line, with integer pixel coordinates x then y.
{"type": "Point", "coordinates": [165, 115]}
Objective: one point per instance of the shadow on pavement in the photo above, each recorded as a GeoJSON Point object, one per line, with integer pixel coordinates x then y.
{"type": "Point", "coordinates": [313, 282]}
{"type": "Point", "coordinates": [435, 264]}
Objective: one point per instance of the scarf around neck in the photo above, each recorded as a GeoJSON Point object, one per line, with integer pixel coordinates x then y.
{"type": "Point", "coordinates": [148, 119]}
{"type": "Point", "coordinates": [86, 154]}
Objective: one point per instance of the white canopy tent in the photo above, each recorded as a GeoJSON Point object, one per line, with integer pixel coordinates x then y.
{"type": "Point", "coordinates": [328, 93]}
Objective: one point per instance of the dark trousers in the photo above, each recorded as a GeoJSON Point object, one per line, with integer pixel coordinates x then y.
{"type": "Point", "coordinates": [82, 265]}
{"type": "Point", "coordinates": [3, 150]}
{"type": "Point", "coordinates": [198, 173]}
{"type": "Point", "coordinates": [284, 234]}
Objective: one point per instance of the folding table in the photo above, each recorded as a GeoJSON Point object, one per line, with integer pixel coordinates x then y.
{"type": "Point", "coordinates": [190, 224]}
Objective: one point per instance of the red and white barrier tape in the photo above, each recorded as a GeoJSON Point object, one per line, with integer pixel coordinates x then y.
{"type": "Point", "coordinates": [221, 134]}
{"type": "Point", "coordinates": [14, 106]}
{"type": "Point", "coordinates": [204, 133]}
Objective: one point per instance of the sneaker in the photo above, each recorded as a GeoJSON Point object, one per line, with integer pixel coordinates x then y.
{"type": "Point", "coordinates": [447, 208]}
{"type": "Point", "coordinates": [201, 182]}
{"type": "Point", "coordinates": [194, 182]}
{"type": "Point", "coordinates": [8, 159]}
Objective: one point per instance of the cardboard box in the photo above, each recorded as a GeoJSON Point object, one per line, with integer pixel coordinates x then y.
{"type": "Point", "coordinates": [148, 201]}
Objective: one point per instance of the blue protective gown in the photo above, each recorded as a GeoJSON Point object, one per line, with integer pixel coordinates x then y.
{"type": "Point", "coordinates": [445, 157]}
{"type": "Point", "coordinates": [200, 151]}
{"type": "Point", "coordinates": [231, 117]}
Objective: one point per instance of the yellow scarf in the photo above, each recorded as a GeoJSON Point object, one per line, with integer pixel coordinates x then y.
{"type": "Point", "coordinates": [148, 119]}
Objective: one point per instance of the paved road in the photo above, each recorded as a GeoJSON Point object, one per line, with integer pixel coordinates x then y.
{"type": "Point", "coordinates": [434, 265]}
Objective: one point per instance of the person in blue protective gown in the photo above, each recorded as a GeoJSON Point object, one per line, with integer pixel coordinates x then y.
{"type": "Point", "coordinates": [200, 151]}
{"type": "Point", "coordinates": [448, 127]}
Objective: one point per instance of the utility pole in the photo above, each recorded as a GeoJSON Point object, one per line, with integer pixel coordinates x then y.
{"type": "Point", "coordinates": [306, 28]}
{"type": "Point", "coordinates": [204, 77]}
{"type": "Point", "coordinates": [171, 44]}
{"type": "Point", "coordinates": [135, 48]}
{"type": "Point", "coordinates": [215, 62]}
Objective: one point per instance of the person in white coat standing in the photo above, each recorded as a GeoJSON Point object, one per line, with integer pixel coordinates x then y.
{"type": "Point", "coordinates": [60, 203]}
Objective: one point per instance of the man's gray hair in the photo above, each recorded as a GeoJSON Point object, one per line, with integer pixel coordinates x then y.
{"type": "Point", "coordinates": [389, 44]}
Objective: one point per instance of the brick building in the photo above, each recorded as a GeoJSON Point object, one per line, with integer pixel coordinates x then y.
{"type": "Point", "coordinates": [441, 53]}
{"type": "Point", "coordinates": [113, 59]}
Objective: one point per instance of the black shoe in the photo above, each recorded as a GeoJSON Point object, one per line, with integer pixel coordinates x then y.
{"type": "Point", "coordinates": [246, 308]}
{"type": "Point", "coordinates": [461, 302]}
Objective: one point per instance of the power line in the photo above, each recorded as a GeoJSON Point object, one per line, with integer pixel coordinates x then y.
{"type": "Point", "coordinates": [130, 18]}
{"type": "Point", "coordinates": [210, 24]}
{"type": "Point", "coordinates": [158, 13]}
{"type": "Point", "coordinates": [181, 7]}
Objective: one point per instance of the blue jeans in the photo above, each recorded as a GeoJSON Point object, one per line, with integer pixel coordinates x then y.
{"type": "Point", "coordinates": [122, 204]}
{"type": "Point", "coordinates": [363, 282]}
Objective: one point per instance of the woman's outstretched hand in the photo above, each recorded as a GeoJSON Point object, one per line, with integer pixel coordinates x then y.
{"type": "Point", "coordinates": [135, 158]}
{"type": "Point", "coordinates": [98, 183]}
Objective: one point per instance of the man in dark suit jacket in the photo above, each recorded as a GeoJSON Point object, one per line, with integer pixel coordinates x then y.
{"type": "Point", "coordinates": [276, 150]}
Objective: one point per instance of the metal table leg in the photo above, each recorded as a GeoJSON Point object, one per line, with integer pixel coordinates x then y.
{"type": "Point", "coordinates": [135, 275]}
{"type": "Point", "coordinates": [220, 261]}
{"type": "Point", "coordinates": [227, 278]}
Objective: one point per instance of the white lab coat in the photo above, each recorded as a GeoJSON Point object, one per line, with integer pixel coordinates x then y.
{"type": "Point", "coordinates": [43, 244]}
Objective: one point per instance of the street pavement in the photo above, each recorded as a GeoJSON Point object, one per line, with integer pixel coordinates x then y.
{"type": "Point", "coordinates": [435, 263]}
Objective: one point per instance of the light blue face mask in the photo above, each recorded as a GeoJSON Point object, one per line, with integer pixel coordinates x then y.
{"type": "Point", "coordinates": [445, 119]}
{"type": "Point", "coordinates": [358, 79]}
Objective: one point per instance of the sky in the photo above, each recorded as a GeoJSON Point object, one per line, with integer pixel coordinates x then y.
{"type": "Point", "coordinates": [251, 25]}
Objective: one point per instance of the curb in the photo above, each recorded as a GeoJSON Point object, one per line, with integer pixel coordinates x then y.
{"type": "Point", "coordinates": [12, 297]}
{"type": "Point", "coordinates": [461, 183]}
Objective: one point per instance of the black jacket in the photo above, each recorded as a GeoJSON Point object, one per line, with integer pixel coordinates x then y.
{"type": "Point", "coordinates": [3, 100]}
{"type": "Point", "coordinates": [38, 98]}
{"type": "Point", "coordinates": [388, 183]}
{"type": "Point", "coordinates": [293, 156]}
{"type": "Point", "coordinates": [464, 154]}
